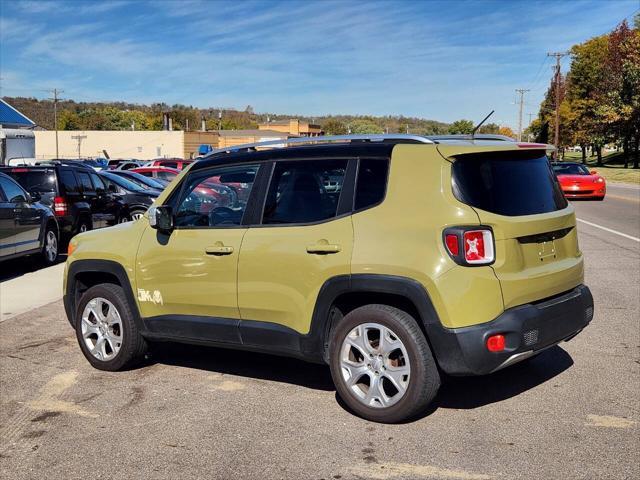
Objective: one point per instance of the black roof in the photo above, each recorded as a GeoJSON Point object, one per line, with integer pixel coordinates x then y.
{"type": "Point", "coordinates": [351, 149]}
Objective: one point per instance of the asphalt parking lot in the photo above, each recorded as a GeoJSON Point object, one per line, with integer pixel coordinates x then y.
{"type": "Point", "coordinates": [191, 412]}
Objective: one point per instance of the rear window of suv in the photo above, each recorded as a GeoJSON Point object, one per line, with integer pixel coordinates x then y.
{"type": "Point", "coordinates": [508, 183]}
{"type": "Point", "coordinates": [41, 181]}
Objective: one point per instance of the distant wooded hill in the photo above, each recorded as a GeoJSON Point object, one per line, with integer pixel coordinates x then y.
{"type": "Point", "coordinates": [121, 116]}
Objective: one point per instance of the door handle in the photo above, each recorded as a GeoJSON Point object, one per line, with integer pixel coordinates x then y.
{"type": "Point", "coordinates": [219, 250]}
{"type": "Point", "coordinates": [323, 248]}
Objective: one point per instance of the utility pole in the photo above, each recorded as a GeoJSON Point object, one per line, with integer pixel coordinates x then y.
{"type": "Point", "coordinates": [55, 99]}
{"type": "Point", "coordinates": [79, 138]}
{"type": "Point", "coordinates": [556, 135]}
{"type": "Point", "coordinates": [521, 91]}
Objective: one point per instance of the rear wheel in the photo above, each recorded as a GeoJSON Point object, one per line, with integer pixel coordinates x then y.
{"type": "Point", "coordinates": [382, 365]}
{"type": "Point", "coordinates": [50, 246]}
{"type": "Point", "coordinates": [83, 226]}
{"type": "Point", "coordinates": [106, 329]}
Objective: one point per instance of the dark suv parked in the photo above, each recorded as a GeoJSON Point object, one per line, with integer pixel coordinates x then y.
{"type": "Point", "coordinates": [79, 198]}
{"type": "Point", "coordinates": [26, 226]}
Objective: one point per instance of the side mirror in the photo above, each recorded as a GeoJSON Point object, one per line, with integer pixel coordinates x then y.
{"type": "Point", "coordinates": [34, 197]}
{"type": "Point", "coordinates": [161, 218]}
{"type": "Point", "coordinates": [593, 172]}
{"type": "Point", "coordinates": [112, 188]}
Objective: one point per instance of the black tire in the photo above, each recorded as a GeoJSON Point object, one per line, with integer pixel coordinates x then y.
{"type": "Point", "coordinates": [133, 347]}
{"type": "Point", "coordinates": [50, 245]}
{"type": "Point", "coordinates": [424, 380]}
{"type": "Point", "coordinates": [135, 212]}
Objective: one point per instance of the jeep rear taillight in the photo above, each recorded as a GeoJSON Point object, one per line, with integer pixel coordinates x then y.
{"type": "Point", "coordinates": [470, 246]}
{"type": "Point", "coordinates": [60, 206]}
{"type": "Point", "coordinates": [478, 247]}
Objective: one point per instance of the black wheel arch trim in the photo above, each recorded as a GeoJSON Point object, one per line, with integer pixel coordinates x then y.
{"type": "Point", "coordinates": [71, 297]}
{"type": "Point", "coordinates": [316, 342]}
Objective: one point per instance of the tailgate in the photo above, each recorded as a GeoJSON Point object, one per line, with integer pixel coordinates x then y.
{"type": "Point", "coordinates": [517, 194]}
{"type": "Point", "coordinates": [537, 256]}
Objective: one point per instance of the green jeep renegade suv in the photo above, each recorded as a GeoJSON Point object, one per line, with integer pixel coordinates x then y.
{"type": "Point", "coordinates": [390, 258]}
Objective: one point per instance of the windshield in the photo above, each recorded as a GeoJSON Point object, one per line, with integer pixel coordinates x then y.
{"type": "Point", "coordinates": [124, 183]}
{"type": "Point", "coordinates": [570, 169]}
{"type": "Point", "coordinates": [507, 184]}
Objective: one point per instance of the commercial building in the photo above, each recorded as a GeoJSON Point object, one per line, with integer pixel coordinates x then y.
{"type": "Point", "coordinates": [142, 145]}
{"type": "Point", "coordinates": [293, 127]}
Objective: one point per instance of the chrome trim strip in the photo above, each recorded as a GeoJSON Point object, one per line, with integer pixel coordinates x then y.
{"type": "Point", "coordinates": [515, 358]}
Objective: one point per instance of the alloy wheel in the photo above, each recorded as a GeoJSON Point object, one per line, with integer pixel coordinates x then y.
{"type": "Point", "coordinates": [51, 246]}
{"type": "Point", "coordinates": [102, 329]}
{"type": "Point", "coordinates": [375, 365]}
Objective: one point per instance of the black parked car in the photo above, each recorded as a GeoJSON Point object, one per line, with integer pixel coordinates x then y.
{"type": "Point", "coordinates": [144, 182]}
{"type": "Point", "coordinates": [76, 193]}
{"type": "Point", "coordinates": [26, 226]}
{"type": "Point", "coordinates": [136, 199]}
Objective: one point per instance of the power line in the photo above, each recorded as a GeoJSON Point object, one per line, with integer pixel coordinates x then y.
{"type": "Point", "coordinates": [521, 91]}
{"type": "Point", "coordinates": [56, 99]}
{"type": "Point", "coordinates": [556, 136]}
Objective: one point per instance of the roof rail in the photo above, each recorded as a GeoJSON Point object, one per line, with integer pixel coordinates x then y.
{"type": "Point", "coordinates": [400, 137]}
{"type": "Point", "coordinates": [479, 136]}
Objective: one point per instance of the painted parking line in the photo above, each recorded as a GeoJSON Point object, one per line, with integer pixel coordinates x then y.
{"type": "Point", "coordinates": [610, 230]}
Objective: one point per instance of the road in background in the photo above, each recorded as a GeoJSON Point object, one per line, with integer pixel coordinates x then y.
{"type": "Point", "coordinates": [195, 412]}
{"type": "Point", "coordinates": [619, 211]}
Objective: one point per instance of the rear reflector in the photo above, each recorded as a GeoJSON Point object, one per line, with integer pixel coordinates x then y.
{"type": "Point", "coordinates": [478, 247]}
{"type": "Point", "coordinates": [59, 206]}
{"type": "Point", "coordinates": [451, 241]}
{"type": "Point", "coordinates": [495, 343]}
{"type": "Point", "coordinates": [19, 170]}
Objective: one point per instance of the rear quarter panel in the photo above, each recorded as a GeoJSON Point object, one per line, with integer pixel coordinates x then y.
{"type": "Point", "coordinates": [403, 237]}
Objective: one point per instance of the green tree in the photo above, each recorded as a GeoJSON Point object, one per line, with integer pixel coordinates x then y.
{"type": "Point", "coordinates": [362, 126]}
{"type": "Point", "coordinates": [334, 127]}
{"type": "Point", "coordinates": [461, 127]}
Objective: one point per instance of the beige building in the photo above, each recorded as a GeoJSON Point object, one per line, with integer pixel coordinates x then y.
{"type": "Point", "coordinates": [142, 145]}
{"type": "Point", "coordinates": [230, 138]}
{"type": "Point", "coordinates": [293, 127]}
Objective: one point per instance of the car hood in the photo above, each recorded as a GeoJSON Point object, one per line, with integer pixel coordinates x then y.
{"type": "Point", "coordinates": [577, 178]}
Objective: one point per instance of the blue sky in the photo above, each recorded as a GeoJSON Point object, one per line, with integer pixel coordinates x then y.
{"type": "Point", "coordinates": [439, 60]}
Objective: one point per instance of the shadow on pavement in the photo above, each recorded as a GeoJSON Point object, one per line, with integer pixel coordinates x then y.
{"type": "Point", "coordinates": [17, 267]}
{"type": "Point", "coordinates": [455, 392]}
{"type": "Point", "coordinates": [473, 392]}
{"type": "Point", "coordinates": [246, 364]}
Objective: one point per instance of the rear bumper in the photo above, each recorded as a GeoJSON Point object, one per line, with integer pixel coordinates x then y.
{"type": "Point", "coordinates": [527, 329]}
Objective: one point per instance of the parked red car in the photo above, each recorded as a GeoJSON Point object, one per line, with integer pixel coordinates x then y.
{"type": "Point", "coordinates": [177, 163]}
{"type": "Point", "coordinates": [577, 181]}
{"type": "Point", "coordinates": [163, 174]}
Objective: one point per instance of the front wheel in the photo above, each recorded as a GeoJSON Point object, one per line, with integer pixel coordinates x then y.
{"type": "Point", "coordinates": [106, 329]}
{"type": "Point", "coordinates": [382, 365]}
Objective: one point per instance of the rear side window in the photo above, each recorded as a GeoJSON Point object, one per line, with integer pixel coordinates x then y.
{"type": "Point", "coordinates": [97, 182]}
{"type": "Point", "coordinates": [372, 182]}
{"type": "Point", "coordinates": [304, 191]}
{"type": "Point", "coordinates": [507, 184]}
{"type": "Point", "coordinates": [85, 181]}
{"type": "Point", "coordinates": [68, 181]}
